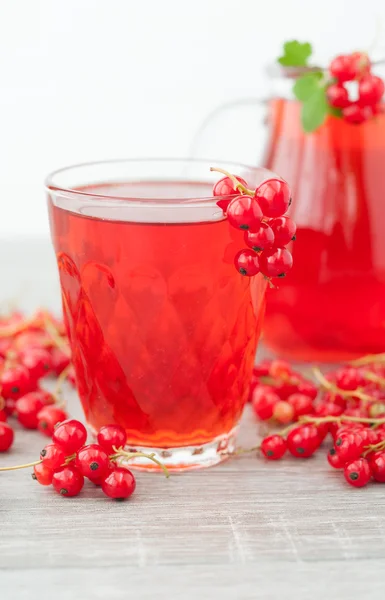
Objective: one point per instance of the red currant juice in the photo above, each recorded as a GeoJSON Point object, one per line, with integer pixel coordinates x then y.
{"type": "Point", "coordinates": [162, 327]}
{"type": "Point", "coordinates": [331, 306]}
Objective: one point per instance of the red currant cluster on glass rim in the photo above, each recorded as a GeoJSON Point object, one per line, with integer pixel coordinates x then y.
{"type": "Point", "coordinates": [347, 404]}
{"type": "Point", "coordinates": [370, 88]}
{"type": "Point", "coordinates": [32, 350]}
{"type": "Point", "coordinates": [260, 214]}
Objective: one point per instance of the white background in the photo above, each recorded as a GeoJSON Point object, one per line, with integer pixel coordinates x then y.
{"type": "Point", "coordinates": [93, 79]}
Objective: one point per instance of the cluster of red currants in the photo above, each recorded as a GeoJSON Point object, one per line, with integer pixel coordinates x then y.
{"type": "Point", "coordinates": [30, 350]}
{"type": "Point", "coordinates": [67, 461]}
{"type": "Point", "coordinates": [260, 214]}
{"type": "Point", "coordinates": [348, 404]}
{"type": "Point", "coordinates": [355, 67]}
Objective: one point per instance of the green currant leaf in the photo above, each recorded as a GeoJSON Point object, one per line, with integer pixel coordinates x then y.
{"type": "Point", "coordinates": [295, 54]}
{"type": "Point", "coordinates": [306, 85]}
{"type": "Point", "coordinates": [314, 110]}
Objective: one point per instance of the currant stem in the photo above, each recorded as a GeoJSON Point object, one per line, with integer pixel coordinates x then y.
{"type": "Point", "coordinates": [56, 338]}
{"type": "Point", "coordinates": [369, 376]}
{"type": "Point", "coordinates": [368, 360]}
{"type": "Point", "coordinates": [341, 418]}
{"type": "Point", "coordinates": [120, 452]}
{"type": "Point", "coordinates": [32, 464]}
{"type": "Point", "coordinates": [237, 184]}
{"type": "Point", "coordinates": [331, 387]}
{"type": "Point", "coordinates": [15, 329]}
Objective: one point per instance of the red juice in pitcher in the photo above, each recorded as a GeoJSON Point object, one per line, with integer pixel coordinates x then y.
{"type": "Point", "coordinates": [332, 305]}
{"type": "Point", "coordinates": [163, 329]}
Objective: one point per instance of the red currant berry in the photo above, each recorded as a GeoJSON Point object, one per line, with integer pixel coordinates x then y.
{"type": "Point", "coordinates": [273, 196]}
{"type": "Point", "coordinates": [37, 361]}
{"type": "Point", "coordinates": [338, 96]}
{"type": "Point", "coordinates": [303, 441]}
{"type": "Point", "coordinates": [334, 460]}
{"type": "Point", "coordinates": [246, 262]}
{"type": "Point", "coordinates": [27, 408]}
{"type": "Point", "coordinates": [6, 437]}
{"type": "Point", "coordinates": [283, 412]}
{"type": "Point", "coordinates": [349, 379]}
{"type": "Point", "coordinates": [284, 230]}
{"type": "Point", "coordinates": [279, 369]}
{"type": "Point", "coordinates": [349, 446]}
{"type": "Point", "coordinates": [53, 456]}
{"type": "Point", "coordinates": [3, 416]}
{"type": "Point", "coordinates": [261, 239]}
{"type": "Point", "coordinates": [262, 369]}
{"type": "Point", "coordinates": [68, 481]}
{"type": "Point", "coordinates": [48, 417]}
{"type": "Point", "coordinates": [307, 388]}
{"type": "Point", "coordinates": [225, 187]}
{"type": "Point", "coordinates": [263, 403]}
{"type": "Point", "coordinates": [92, 461]}
{"type": "Point", "coordinates": [70, 435]}
{"type": "Point", "coordinates": [302, 404]}
{"type": "Point", "coordinates": [273, 447]}
{"type": "Point", "coordinates": [328, 409]}
{"type": "Point", "coordinates": [112, 436]}
{"type": "Point", "coordinates": [15, 382]}
{"type": "Point", "coordinates": [357, 472]}
{"type": "Point", "coordinates": [244, 213]}
{"type": "Point", "coordinates": [60, 361]}
{"type": "Point", "coordinates": [119, 484]}
{"type": "Point", "coordinates": [343, 68]}
{"type": "Point", "coordinates": [355, 114]}
{"type": "Point", "coordinates": [370, 90]}
{"type": "Point", "coordinates": [377, 466]}
{"type": "Point", "coordinates": [276, 262]}
{"type": "Point", "coordinates": [42, 474]}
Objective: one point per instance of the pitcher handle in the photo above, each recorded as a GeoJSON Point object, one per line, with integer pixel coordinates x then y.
{"type": "Point", "coordinates": [221, 137]}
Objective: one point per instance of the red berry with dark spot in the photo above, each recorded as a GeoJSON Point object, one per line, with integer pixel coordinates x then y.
{"type": "Point", "coordinates": [276, 262]}
{"type": "Point", "coordinates": [349, 446]}
{"type": "Point", "coordinates": [42, 474]}
{"type": "Point", "coordinates": [119, 484]}
{"type": "Point", "coordinates": [15, 382]}
{"type": "Point", "coordinates": [262, 239]}
{"type": "Point", "coordinates": [48, 417]}
{"type": "Point", "coordinates": [284, 230]}
{"type": "Point", "coordinates": [244, 213]}
{"type": "Point", "coordinates": [246, 262]}
{"type": "Point", "coordinates": [92, 461]}
{"type": "Point", "coordinates": [6, 437]}
{"type": "Point", "coordinates": [303, 441]}
{"type": "Point", "coordinates": [68, 481]}
{"type": "Point", "coordinates": [53, 456]}
{"type": "Point", "coordinates": [111, 437]}
{"type": "Point", "coordinates": [273, 447]}
{"type": "Point", "coordinates": [357, 472]}
{"type": "Point", "coordinates": [273, 196]}
{"type": "Point", "coordinates": [38, 362]}
{"type": "Point", "coordinates": [70, 435]}
{"type": "Point", "coordinates": [334, 460]}
{"type": "Point", "coordinates": [337, 96]}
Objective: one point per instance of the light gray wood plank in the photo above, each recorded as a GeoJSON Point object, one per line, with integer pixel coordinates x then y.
{"type": "Point", "coordinates": [245, 529]}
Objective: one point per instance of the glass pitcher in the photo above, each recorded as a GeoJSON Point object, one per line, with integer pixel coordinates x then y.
{"type": "Point", "coordinates": [331, 306]}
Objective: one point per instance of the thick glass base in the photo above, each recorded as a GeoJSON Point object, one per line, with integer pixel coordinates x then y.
{"type": "Point", "coordinates": [185, 458]}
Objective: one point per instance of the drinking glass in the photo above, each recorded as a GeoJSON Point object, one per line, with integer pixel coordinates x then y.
{"type": "Point", "coordinates": [163, 329]}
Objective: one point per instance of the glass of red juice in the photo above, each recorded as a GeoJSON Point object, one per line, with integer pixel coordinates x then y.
{"type": "Point", "coordinates": [162, 327]}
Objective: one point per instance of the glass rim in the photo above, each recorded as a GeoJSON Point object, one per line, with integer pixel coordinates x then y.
{"type": "Point", "coordinates": [51, 186]}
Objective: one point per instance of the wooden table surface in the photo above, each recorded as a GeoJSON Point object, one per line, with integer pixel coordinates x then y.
{"type": "Point", "coordinates": [244, 530]}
